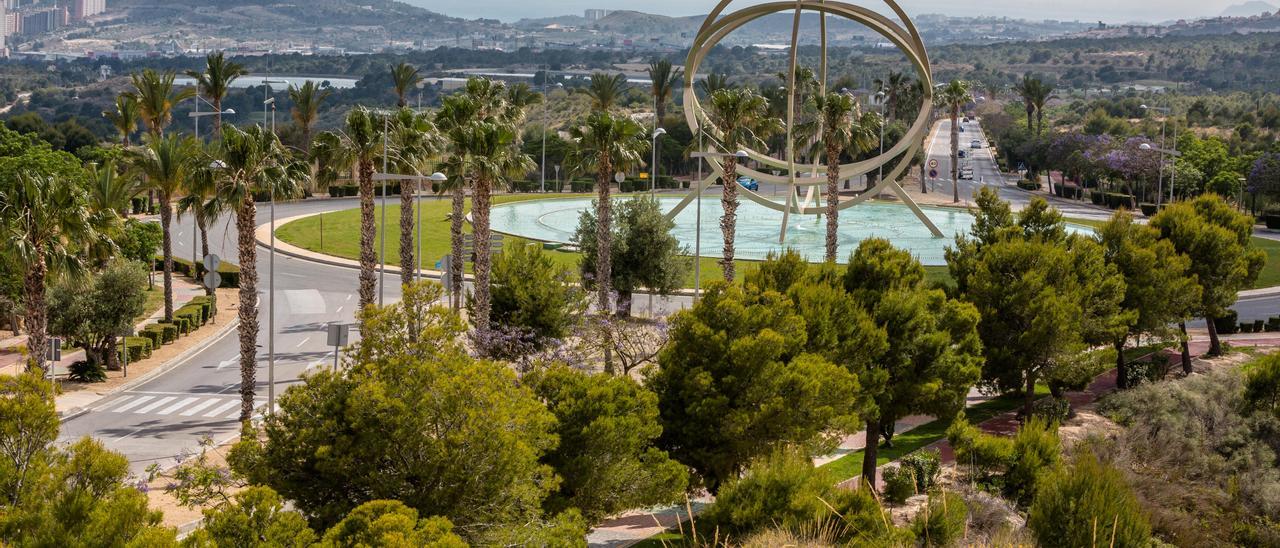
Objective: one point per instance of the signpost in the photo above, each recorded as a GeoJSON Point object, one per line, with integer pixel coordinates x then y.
{"type": "Point", "coordinates": [933, 174]}
{"type": "Point", "coordinates": [933, 163]}
{"type": "Point", "coordinates": [55, 356]}
{"type": "Point", "coordinates": [339, 335]}
{"type": "Point", "coordinates": [212, 280]}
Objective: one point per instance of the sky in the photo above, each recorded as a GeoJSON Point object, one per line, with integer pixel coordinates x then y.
{"type": "Point", "coordinates": [1111, 11]}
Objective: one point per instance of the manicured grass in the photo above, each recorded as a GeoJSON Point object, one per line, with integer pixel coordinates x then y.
{"type": "Point", "coordinates": [154, 302]}
{"type": "Point", "coordinates": [1270, 275]}
{"type": "Point", "coordinates": [850, 465]}
{"type": "Point", "coordinates": [341, 237]}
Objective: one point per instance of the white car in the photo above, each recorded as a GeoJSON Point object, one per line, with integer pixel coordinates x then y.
{"type": "Point", "coordinates": [975, 144]}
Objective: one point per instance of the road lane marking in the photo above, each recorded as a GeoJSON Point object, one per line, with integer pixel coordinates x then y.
{"type": "Point", "coordinates": [118, 401]}
{"type": "Point", "coordinates": [181, 403]}
{"type": "Point", "coordinates": [340, 309]}
{"type": "Point", "coordinates": [133, 404]}
{"type": "Point", "coordinates": [199, 406]}
{"type": "Point", "coordinates": [348, 297]}
{"type": "Point", "coordinates": [222, 408]}
{"type": "Point", "coordinates": [304, 341]}
{"type": "Point", "coordinates": [153, 405]}
{"type": "Point", "coordinates": [305, 301]}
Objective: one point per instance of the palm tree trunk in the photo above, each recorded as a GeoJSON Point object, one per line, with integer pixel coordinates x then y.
{"type": "Point", "coordinates": [407, 251]}
{"type": "Point", "coordinates": [368, 260]}
{"type": "Point", "coordinates": [166, 218]}
{"type": "Point", "coordinates": [1031, 113]}
{"type": "Point", "coordinates": [217, 116]}
{"type": "Point", "coordinates": [604, 255]}
{"type": "Point", "coordinates": [248, 330]}
{"type": "Point", "coordinates": [955, 156]}
{"type": "Point", "coordinates": [37, 319]}
{"type": "Point", "coordinates": [455, 241]}
{"type": "Point", "coordinates": [480, 230]}
{"type": "Point", "coordinates": [204, 245]}
{"type": "Point", "coordinates": [112, 359]}
{"type": "Point", "coordinates": [833, 197]}
{"type": "Point", "coordinates": [729, 220]}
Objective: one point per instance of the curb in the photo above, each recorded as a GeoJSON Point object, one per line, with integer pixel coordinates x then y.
{"type": "Point", "coordinates": [172, 364]}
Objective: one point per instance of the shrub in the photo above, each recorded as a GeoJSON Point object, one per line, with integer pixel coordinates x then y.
{"type": "Point", "coordinates": [1259, 326]}
{"type": "Point", "coordinates": [230, 272]}
{"type": "Point", "coordinates": [1273, 324]}
{"type": "Point", "coordinates": [899, 484]}
{"type": "Point", "coordinates": [1227, 324]}
{"type": "Point", "coordinates": [1097, 198]}
{"type": "Point", "coordinates": [168, 332]}
{"type": "Point", "coordinates": [1087, 504]}
{"type": "Point", "coordinates": [87, 371]}
{"type": "Point", "coordinates": [530, 292]}
{"type": "Point", "coordinates": [139, 348]}
{"type": "Point", "coordinates": [154, 334]}
{"type": "Point", "coordinates": [1028, 185]}
{"type": "Point", "coordinates": [942, 522]}
{"type": "Point", "coordinates": [785, 490]}
{"type": "Point", "coordinates": [182, 324]}
{"type": "Point", "coordinates": [193, 314]}
{"type": "Point", "coordinates": [1262, 384]}
{"type": "Point", "coordinates": [1051, 409]}
{"type": "Point", "coordinates": [925, 466]}
{"type": "Point", "coordinates": [1148, 209]}
{"type": "Point", "coordinates": [1036, 450]}
{"type": "Point", "coordinates": [1117, 200]}
{"type": "Point", "coordinates": [1246, 327]}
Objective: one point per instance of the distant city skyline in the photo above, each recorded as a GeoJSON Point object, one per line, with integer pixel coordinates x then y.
{"type": "Point", "coordinates": [1083, 10]}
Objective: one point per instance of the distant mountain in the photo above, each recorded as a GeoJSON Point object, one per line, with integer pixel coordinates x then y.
{"type": "Point", "coordinates": [1248, 9]}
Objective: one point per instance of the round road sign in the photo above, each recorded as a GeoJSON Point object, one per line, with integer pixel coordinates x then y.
{"type": "Point", "coordinates": [933, 174]}
{"type": "Point", "coordinates": [933, 164]}
{"type": "Point", "coordinates": [212, 279]}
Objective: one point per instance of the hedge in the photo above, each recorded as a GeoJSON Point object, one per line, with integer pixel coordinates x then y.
{"type": "Point", "coordinates": [340, 191]}
{"type": "Point", "coordinates": [206, 306]}
{"type": "Point", "coordinates": [194, 316]}
{"type": "Point", "coordinates": [168, 331]}
{"type": "Point", "coordinates": [1227, 324]}
{"type": "Point", "coordinates": [1097, 198]}
{"type": "Point", "coordinates": [1028, 185]}
{"type": "Point", "coordinates": [153, 334]}
{"type": "Point", "coordinates": [1116, 200]}
{"type": "Point", "coordinates": [230, 272]}
{"type": "Point", "coordinates": [1068, 192]}
{"type": "Point", "coordinates": [139, 348]}
{"type": "Point", "coordinates": [1148, 209]}
{"type": "Point", "coordinates": [581, 186]}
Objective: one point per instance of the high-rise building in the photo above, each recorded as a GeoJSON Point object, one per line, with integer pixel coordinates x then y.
{"type": "Point", "coordinates": [42, 21]}
{"type": "Point", "coordinates": [595, 15]}
{"type": "Point", "coordinates": [80, 9]}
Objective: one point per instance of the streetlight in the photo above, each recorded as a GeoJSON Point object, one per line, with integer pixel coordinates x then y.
{"type": "Point", "coordinates": [884, 110]}
{"type": "Point", "coordinates": [697, 240]}
{"type": "Point", "coordinates": [197, 115]}
{"type": "Point", "coordinates": [1163, 152]}
{"type": "Point", "coordinates": [435, 178]}
{"type": "Point", "coordinates": [542, 167]}
{"type": "Point", "coordinates": [653, 187]}
{"type": "Point", "coordinates": [271, 279]}
{"type": "Point", "coordinates": [1173, 171]}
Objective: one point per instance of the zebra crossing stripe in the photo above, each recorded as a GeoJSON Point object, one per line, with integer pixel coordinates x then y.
{"type": "Point", "coordinates": [197, 407]}
{"type": "Point", "coordinates": [153, 405]}
{"type": "Point", "coordinates": [176, 406]}
{"type": "Point", "coordinates": [222, 408]}
{"type": "Point", "coordinates": [141, 400]}
{"type": "Point", "coordinates": [117, 401]}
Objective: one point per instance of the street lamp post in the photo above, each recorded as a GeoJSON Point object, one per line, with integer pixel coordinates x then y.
{"type": "Point", "coordinates": [884, 109]}
{"type": "Point", "coordinates": [271, 284]}
{"type": "Point", "coordinates": [417, 179]}
{"type": "Point", "coordinates": [1174, 153]}
{"type": "Point", "coordinates": [1173, 170]}
{"type": "Point", "coordinates": [697, 240]}
{"type": "Point", "coordinates": [653, 188]}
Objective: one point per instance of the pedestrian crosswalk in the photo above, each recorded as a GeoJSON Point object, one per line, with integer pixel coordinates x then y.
{"type": "Point", "coordinates": [181, 405]}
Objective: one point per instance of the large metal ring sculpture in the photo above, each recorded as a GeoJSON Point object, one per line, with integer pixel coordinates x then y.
{"type": "Point", "coordinates": [715, 28]}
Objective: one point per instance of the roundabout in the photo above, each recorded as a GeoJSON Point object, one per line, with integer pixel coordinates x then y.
{"type": "Point", "coordinates": [554, 220]}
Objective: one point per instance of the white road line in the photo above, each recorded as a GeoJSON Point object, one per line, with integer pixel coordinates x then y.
{"type": "Point", "coordinates": [153, 405]}
{"type": "Point", "coordinates": [222, 408]}
{"type": "Point", "coordinates": [181, 403]}
{"type": "Point", "coordinates": [133, 404]}
{"type": "Point", "coordinates": [340, 309]}
{"type": "Point", "coordinates": [197, 407]}
{"type": "Point", "coordinates": [348, 297]}
{"type": "Point", "coordinates": [118, 401]}
{"type": "Point", "coordinates": [293, 275]}
{"type": "Point", "coordinates": [304, 341]}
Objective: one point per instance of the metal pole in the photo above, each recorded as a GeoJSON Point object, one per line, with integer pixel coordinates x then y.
{"type": "Point", "coordinates": [653, 186]}
{"type": "Point", "coordinates": [697, 239]}
{"type": "Point", "coordinates": [543, 166]}
{"type": "Point", "coordinates": [417, 202]}
{"type": "Point", "coordinates": [382, 233]}
{"type": "Point", "coordinates": [271, 299]}
{"type": "Point", "coordinates": [1160, 177]}
{"type": "Point", "coordinates": [1173, 170]}
{"type": "Point", "coordinates": [197, 116]}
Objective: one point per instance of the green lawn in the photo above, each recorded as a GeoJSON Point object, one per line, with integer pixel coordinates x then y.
{"type": "Point", "coordinates": [341, 229]}
{"type": "Point", "coordinates": [1270, 276]}
{"type": "Point", "coordinates": [850, 465]}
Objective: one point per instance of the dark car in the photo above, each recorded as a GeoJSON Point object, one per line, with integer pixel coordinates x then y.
{"type": "Point", "coordinates": [749, 184]}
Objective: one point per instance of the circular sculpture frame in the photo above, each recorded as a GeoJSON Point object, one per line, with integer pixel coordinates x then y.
{"type": "Point", "coordinates": [907, 39]}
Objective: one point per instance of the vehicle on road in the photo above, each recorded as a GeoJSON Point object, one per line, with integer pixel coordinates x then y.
{"type": "Point", "coordinates": [749, 184]}
{"type": "Point", "coordinates": [975, 144]}
{"type": "Point", "coordinates": [962, 154]}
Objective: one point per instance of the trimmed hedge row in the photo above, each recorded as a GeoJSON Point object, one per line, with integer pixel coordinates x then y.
{"type": "Point", "coordinates": [1028, 185]}
{"type": "Point", "coordinates": [1068, 192]}
{"type": "Point", "coordinates": [230, 273]}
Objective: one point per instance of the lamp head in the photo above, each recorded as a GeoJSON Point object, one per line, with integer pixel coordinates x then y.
{"type": "Point", "coordinates": [659, 132]}
{"type": "Point", "coordinates": [270, 101]}
{"type": "Point", "coordinates": [438, 177]}
{"type": "Point", "coordinates": [1145, 146]}
{"type": "Point", "coordinates": [229, 111]}
{"type": "Point", "coordinates": [742, 154]}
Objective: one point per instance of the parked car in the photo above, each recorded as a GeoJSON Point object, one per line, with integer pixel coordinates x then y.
{"type": "Point", "coordinates": [962, 154]}
{"type": "Point", "coordinates": [975, 144]}
{"type": "Point", "coordinates": [749, 184]}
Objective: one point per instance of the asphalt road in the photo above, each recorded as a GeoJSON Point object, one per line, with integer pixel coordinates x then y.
{"type": "Point", "coordinates": [168, 416]}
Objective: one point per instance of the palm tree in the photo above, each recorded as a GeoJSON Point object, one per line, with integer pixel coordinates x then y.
{"type": "Point", "coordinates": [605, 90]}
{"type": "Point", "coordinates": [1026, 90]}
{"type": "Point", "coordinates": [109, 190]}
{"type": "Point", "coordinates": [306, 108]}
{"type": "Point", "coordinates": [665, 79]}
{"type": "Point", "coordinates": [248, 161]}
{"type": "Point", "coordinates": [895, 88]}
{"type": "Point", "coordinates": [493, 156]}
{"type": "Point", "coordinates": [403, 78]}
{"type": "Point", "coordinates": [714, 82]}
{"type": "Point", "coordinates": [603, 145]}
{"type": "Point", "coordinates": [125, 117]}
{"type": "Point", "coordinates": [416, 143]}
{"type": "Point", "coordinates": [356, 147]}
{"type": "Point", "coordinates": [45, 222]}
{"type": "Point", "coordinates": [1044, 92]}
{"type": "Point", "coordinates": [519, 98]}
{"type": "Point", "coordinates": [164, 164]}
{"type": "Point", "coordinates": [844, 129]}
{"type": "Point", "coordinates": [951, 98]}
{"type": "Point", "coordinates": [740, 116]}
{"type": "Point", "coordinates": [215, 82]}
{"type": "Point", "coordinates": [156, 98]}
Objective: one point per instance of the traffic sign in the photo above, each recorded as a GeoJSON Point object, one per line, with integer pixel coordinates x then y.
{"type": "Point", "coordinates": [212, 279]}
{"type": "Point", "coordinates": [933, 174]}
{"type": "Point", "coordinates": [212, 262]}
{"type": "Point", "coordinates": [933, 163]}
{"type": "Point", "coordinates": [339, 334]}
{"type": "Point", "coordinates": [55, 349]}
{"type": "Point", "coordinates": [619, 177]}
